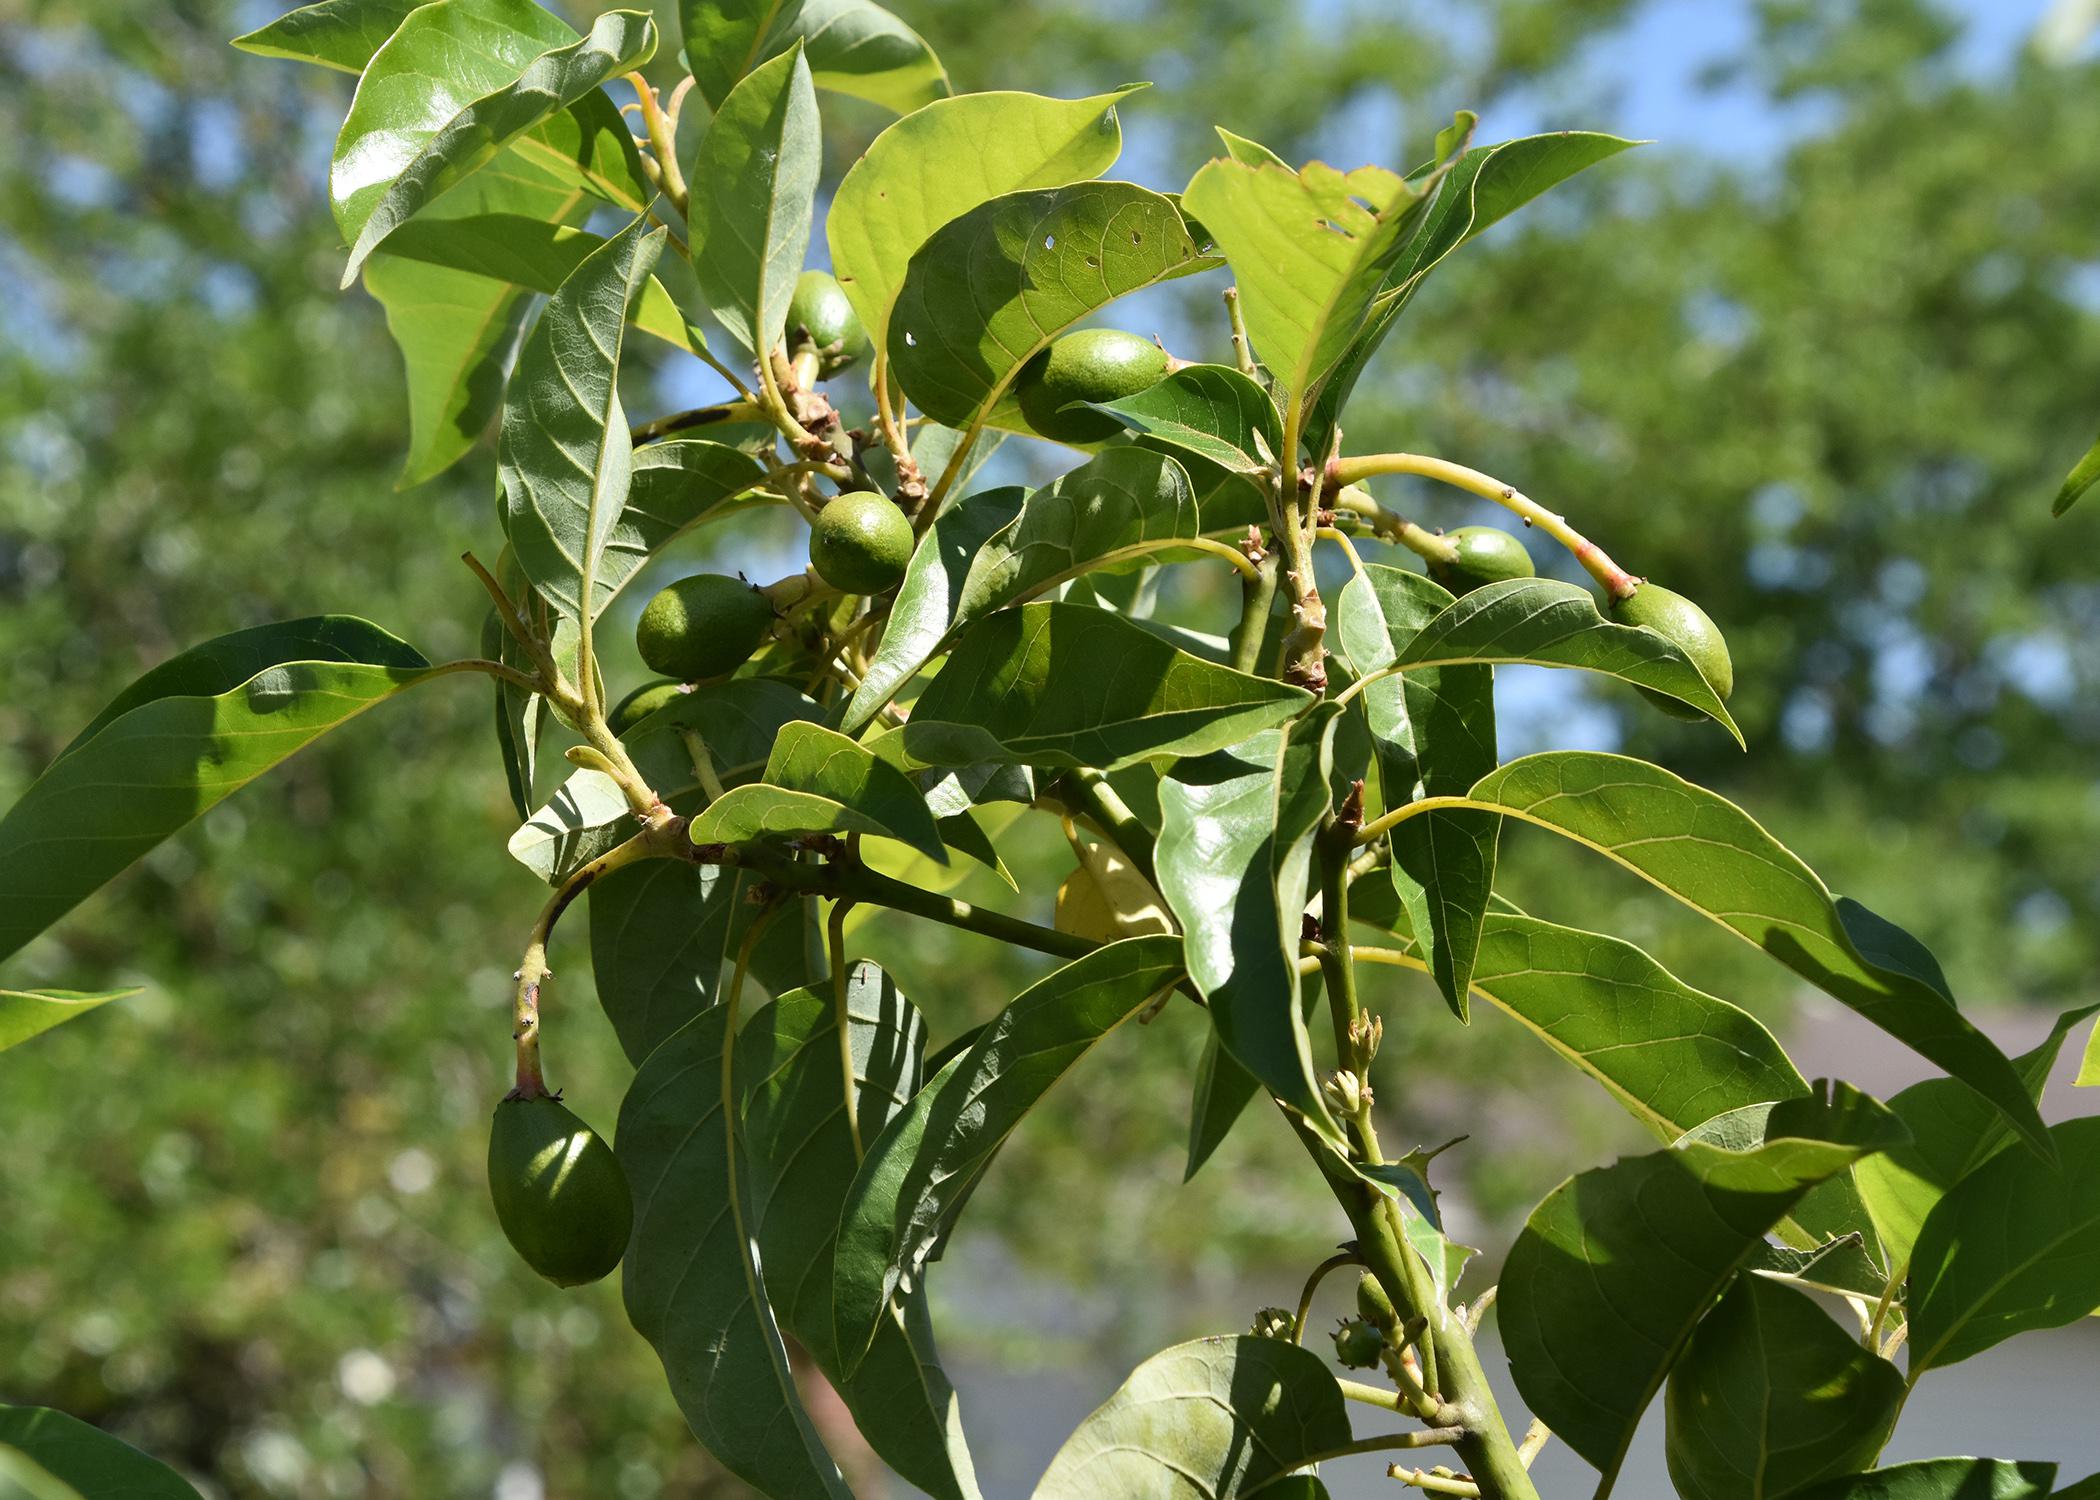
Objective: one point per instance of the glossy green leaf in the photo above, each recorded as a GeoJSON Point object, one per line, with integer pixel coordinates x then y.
{"type": "Point", "coordinates": [20, 1479]}
{"type": "Point", "coordinates": [1543, 622]}
{"type": "Point", "coordinates": [735, 721]}
{"type": "Point", "coordinates": [1123, 505]}
{"type": "Point", "coordinates": [1308, 250]}
{"type": "Point", "coordinates": [2013, 1246]}
{"type": "Point", "coordinates": [1222, 1418]}
{"type": "Point", "coordinates": [1618, 1264]}
{"type": "Point", "coordinates": [2083, 476]}
{"type": "Point", "coordinates": [753, 191]}
{"type": "Point", "coordinates": [1941, 1479]}
{"type": "Point", "coordinates": [1714, 857]}
{"type": "Point", "coordinates": [1212, 411]}
{"type": "Point", "coordinates": [927, 1160]}
{"type": "Point", "coordinates": [691, 1279]}
{"type": "Point", "coordinates": [804, 1149]}
{"type": "Point", "coordinates": [990, 289]}
{"type": "Point", "coordinates": [854, 47]}
{"type": "Point", "coordinates": [1952, 1131]}
{"type": "Point", "coordinates": [177, 742]}
{"type": "Point", "coordinates": [519, 250]}
{"type": "Point", "coordinates": [619, 42]}
{"type": "Point", "coordinates": [93, 1464]}
{"type": "Point", "coordinates": [1009, 694]}
{"type": "Point", "coordinates": [1772, 1395]}
{"type": "Point", "coordinates": [1234, 860]}
{"type": "Point", "coordinates": [1433, 734]}
{"type": "Point", "coordinates": [819, 781]}
{"type": "Point", "coordinates": [443, 61]}
{"type": "Point", "coordinates": [28, 1013]}
{"type": "Point", "coordinates": [339, 34]}
{"type": "Point", "coordinates": [936, 164]}
{"type": "Point", "coordinates": [564, 461]}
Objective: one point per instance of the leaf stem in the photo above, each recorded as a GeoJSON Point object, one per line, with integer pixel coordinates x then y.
{"type": "Point", "coordinates": [1312, 1285]}
{"type": "Point", "coordinates": [1379, 826]}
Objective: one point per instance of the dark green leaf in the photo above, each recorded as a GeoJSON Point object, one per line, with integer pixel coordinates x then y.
{"type": "Point", "coordinates": [1010, 693]}
{"type": "Point", "coordinates": [340, 34]}
{"type": "Point", "coordinates": [1941, 1479]}
{"type": "Point", "coordinates": [28, 1013]}
{"type": "Point", "coordinates": [1618, 1264]}
{"type": "Point", "coordinates": [1234, 860]}
{"type": "Point", "coordinates": [94, 1464]}
{"type": "Point", "coordinates": [938, 163]}
{"type": "Point", "coordinates": [818, 781]}
{"type": "Point", "coordinates": [1223, 1091]}
{"type": "Point", "coordinates": [1714, 857]}
{"type": "Point", "coordinates": [1210, 410]}
{"type": "Point", "coordinates": [754, 188]}
{"type": "Point", "coordinates": [691, 1279]}
{"type": "Point", "coordinates": [177, 742]}
{"type": "Point", "coordinates": [1221, 1418]}
{"type": "Point", "coordinates": [1772, 1395]}
{"type": "Point", "coordinates": [927, 1160]}
{"type": "Point", "coordinates": [804, 1149]}
{"type": "Point", "coordinates": [2014, 1245]}
{"type": "Point", "coordinates": [991, 289]}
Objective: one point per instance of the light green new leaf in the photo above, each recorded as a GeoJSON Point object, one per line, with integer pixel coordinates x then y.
{"type": "Point", "coordinates": [1212, 411]}
{"type": "Point", "coordinates": [754, 189]}
{"type": "Point", "coordinates": [1941, 1479]}
{"type": "Point", "coordinates": [443, 61]}
{"type": "Point", "coordinates": [925, 1163]}
{"type": "Point", "coordinates": [2089, 1065]}
{"type": "Point", "coordinates": [1122, 506]}
{"type": "Point", "coordinates": [183, 738]}
{"type": "Point", "coordinates": [522, 251]}
{"type": "Point", "coordinates": [691, 1279]}
{"type": "Point", "coordinates": [1247, 152]}
{"type": "Point", "coordinates": [28, 1013]}
{"type": "Point", "coordinates": [1543, 622]}
{"type": "Point", "coordinates": [1224, 1418]}
{"type": "Point", "coordinates": [1433, 733]}
{"type": "Point", "coordinates": [564, 460]}
{"type": "Point", "coordinates": [992, 288]}
{"type": "Point", "coordinates": [1616, 1267]}
{"type": "Point", "coordinates": [339, 34]}
{"type": "Point", "coordinates": [1952, 1131]}
{"type": "Point", "coordinates": [737, 721]}
{"type": "Point", "coordinates": [2013, 1246]}
{"type": "Point", "coordinates": [1234, 860]}
{"type": "Point", "coordinates": [619, 42]}
{"type": "Point", "coordinates": [1714, 857]}
{"type": "Point", "coordinates": [819, 781]}
{"type": "Point", "coordinates": [94, 1465]}
{"type": "Point", "coordinates": [2083, 476]}
{"type": "Point", "coordinates": [1772, 1395]}
{"type": "Point", "coordinates": [936, 164]}
{"type": "Point", "coordinates": [1070, 685]}
{"type": "Point", "coordinates": [805, 1146]}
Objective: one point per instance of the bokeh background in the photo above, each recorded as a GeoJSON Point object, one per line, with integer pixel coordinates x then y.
{"type": "Point", "coordinates": [1819, 357]}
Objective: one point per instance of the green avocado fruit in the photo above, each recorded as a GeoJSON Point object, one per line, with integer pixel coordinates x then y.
{"type": "Point", "coordinates": [1485, 555]}
{"type": "Point", "coordinates": [560, 1193]}
{"type": "Point", "coordinates": [1358, 1345]}
{"type": "Point", "coordinates": [1094, 364]}
{"type": "Point", "coordinates": [1373, 1305]}
{"type": "Point", "coordinates": [1688, 627]}
{"type": "Point", "coordinates": [826, 322]}
{"type": "Point", "coordinates": [642, 702]}
{"type": "Point", "coordinates": [861, 543]}
{"type": "Point", "coordinates": [703, 626]}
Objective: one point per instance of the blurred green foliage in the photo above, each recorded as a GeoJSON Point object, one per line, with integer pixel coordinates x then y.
{"type": "Point", "coordinates": [244, 1220]}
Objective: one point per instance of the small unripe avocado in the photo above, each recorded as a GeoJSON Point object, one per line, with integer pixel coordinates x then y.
{"type": "Point", "coordinates": [1485, 555]}
{"type": "Point", "coordinates": [560, 1194]}
{"type": "Point", "coordinates": [861, 543]}
{"type": "Point", "coordinates": [1373, 1305]}
{"type": "Point", "coordinates": [821, 311]}
{"type": "Point", "coordinates": [1357, 1344]}
{"type": "Point", "coordinates": [704, 626]}
{"type": "Point", "coordinates": [642, 702]}
{"type": "Point", "coordinates": [1094, 364]}
{"type": "Point", "coordinates": [1688, 627]}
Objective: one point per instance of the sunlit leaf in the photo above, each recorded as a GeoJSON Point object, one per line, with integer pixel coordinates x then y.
{"type": "Point", "coordinates": [28, 1013]}
{"type": "Point", "coordinates": [819, 781]}
{"type": "Point", "coordinates": [2083, 476]}
{"type": "Point", "coordinates": [1941, 1479]}
{"type": "Point", "coordinates": [1210, 410]}
{"type": "Point", "coordinates": [339, 34]}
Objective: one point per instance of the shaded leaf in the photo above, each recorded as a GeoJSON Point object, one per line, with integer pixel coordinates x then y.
{"type": "Point", "coordinates": [818, 781]}
{"type": "Point", "coordinates": [1217, 1417]}
{"type": "Point", "coordinates": [1210, 410]}
{"type": "Point", "coordinates": [1618, 1264]}
{"type": "Point", "coordinates": [1772, 1395]}
{"type": "Point", "coordinates": [1009, 693]}
{"type": "Point", "coordinates": [339, 34]}
{"type": "Point", "coordinates": [1222, 1093]}
{"type": "Point", "coordinates": [28, 1013]}
{"type": "Point", "coordinates": [854, 47]}
{"type": "Point", "coordinates": [1941, 1479]}
{"type": "Point", "coordinates": [177, 742]}
{"type": "Point", "coordinates": [94, 1465]}
{"type": "Point", "coordinates": [926, 1161]}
